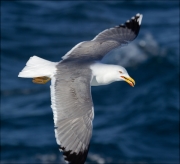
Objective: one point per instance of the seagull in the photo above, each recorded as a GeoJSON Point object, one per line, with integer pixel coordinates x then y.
{"type": "Point", "coordinates": [71, 81]}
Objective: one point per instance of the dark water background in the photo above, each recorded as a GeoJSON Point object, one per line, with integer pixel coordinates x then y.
{"type": "Point", "coordinates": [131, 125]}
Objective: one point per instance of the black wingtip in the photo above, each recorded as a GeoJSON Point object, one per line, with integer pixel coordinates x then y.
{"type": "Point", "coordinates": [134, 23]}
{"type": "Point", "coordinates": [74, 158]}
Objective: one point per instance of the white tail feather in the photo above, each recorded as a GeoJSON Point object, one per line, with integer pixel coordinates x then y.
{"type": "Point", "coordinates": [37, 67]}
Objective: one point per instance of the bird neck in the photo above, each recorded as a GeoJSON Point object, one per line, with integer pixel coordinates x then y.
{"type": "Point", "coordinates": [103, 74]}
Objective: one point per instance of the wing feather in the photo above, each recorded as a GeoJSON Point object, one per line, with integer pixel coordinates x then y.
{"type": "Point", "coordinates": [73, 110]}
{"type": "Point", "coordinates": [106, 41]}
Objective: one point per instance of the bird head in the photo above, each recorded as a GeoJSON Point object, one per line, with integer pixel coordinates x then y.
{"type": "Point", "coordinates": [107, 73]}
{"type": "Point", "coordinates": [124, 76]}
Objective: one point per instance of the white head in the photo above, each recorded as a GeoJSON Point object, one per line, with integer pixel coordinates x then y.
{"type": "Point", "coordinates": [104, 74]}
{"type": "Point", "coordinates": [123, 75]}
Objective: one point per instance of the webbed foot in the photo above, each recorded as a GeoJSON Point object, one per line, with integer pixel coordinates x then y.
{"type": "Point", "coordinates": [41, 80]}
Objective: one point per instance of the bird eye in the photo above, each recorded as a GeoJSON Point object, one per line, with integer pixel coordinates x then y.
{"type": "Point", "coordinates": [120, 71]}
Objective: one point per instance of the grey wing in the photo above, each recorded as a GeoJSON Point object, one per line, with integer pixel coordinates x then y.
{"type": "Point", "coordinates": [107, 40]}
{"type": "Point", "coordinates": [73, 111]}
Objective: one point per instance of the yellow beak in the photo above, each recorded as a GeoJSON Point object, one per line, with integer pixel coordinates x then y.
{"type": "Point", "coordinates": [129, 80]}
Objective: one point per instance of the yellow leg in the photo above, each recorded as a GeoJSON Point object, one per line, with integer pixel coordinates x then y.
{"type": "Point", "coordinates": [41, 80]}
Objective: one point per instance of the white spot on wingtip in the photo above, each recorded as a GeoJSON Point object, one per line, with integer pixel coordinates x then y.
{"type": "Point", "coordinates": [132, 17]}
{"type": "Point", "coordinates": [127, 21]}
{"type": "Point", "coordinates": [138, 14]}
{"type": "Point", "coordinates": [140, 19]}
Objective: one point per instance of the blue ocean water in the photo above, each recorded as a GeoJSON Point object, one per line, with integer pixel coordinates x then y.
{"type": "Point", "coordinates": [132, 125]}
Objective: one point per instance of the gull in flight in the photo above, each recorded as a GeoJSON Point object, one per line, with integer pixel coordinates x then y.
{"type": "Point", "coordinates": [71, 81]}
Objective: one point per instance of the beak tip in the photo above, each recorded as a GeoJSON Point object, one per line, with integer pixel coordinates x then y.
{"type": "Point", "coordinates": [129, 80]}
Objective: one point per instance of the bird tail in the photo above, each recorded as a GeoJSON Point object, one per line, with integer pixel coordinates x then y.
{"type": "Point", "coordinates": [38, 67]}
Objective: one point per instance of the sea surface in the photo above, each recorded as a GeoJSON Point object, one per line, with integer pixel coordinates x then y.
{"type": "Point", "coordinates": [137, 125]}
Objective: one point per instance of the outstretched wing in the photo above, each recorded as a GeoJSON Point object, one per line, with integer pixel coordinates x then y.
{"type": "Point", "coordinates": [107, 40]}
{"type": "Point", "coordinates": [73, 111]}
{"type": "Point", "coordinates": [122, 33]}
